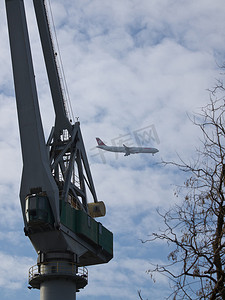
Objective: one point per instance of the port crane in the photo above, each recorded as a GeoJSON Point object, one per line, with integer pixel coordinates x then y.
{"type": "Point", "coordinates": [58, 219]}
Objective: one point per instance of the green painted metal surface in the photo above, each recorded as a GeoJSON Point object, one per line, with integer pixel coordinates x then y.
{"type": "Point", "coordinates": [86, 227]}
{"type": "Point", "coordinates": [105, 238]}
{"type": "Point", "coordinates": [68, 216]}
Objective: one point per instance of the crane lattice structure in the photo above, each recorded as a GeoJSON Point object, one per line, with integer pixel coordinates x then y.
{"type": "Point", "coordinates": [56, 175]}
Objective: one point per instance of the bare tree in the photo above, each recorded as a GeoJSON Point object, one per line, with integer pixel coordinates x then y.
{"type": "Point", "coordinates": [139, 294]}
{"type": "Point", "coordinates": [195, 228]}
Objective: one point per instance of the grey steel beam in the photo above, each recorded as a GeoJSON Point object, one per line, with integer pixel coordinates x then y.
{"type": "Point", "coordinates": [62, 121]}
{"type": "Point", "coordinates": [36, 169]}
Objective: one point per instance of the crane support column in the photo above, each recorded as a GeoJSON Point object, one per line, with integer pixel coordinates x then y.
{"type": "Point", "coordinates": [57, 290]}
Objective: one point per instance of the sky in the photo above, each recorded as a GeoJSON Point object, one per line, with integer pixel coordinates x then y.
{"type": "Point", "coordinates": [136, 70]}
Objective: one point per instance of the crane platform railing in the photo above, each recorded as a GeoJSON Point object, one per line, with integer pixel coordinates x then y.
{"type": "Point", "coordinates": [57, 267]}
{"type": "Point", "coordinates": [55, 270]}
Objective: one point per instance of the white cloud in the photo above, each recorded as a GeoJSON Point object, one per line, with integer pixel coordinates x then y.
{"type": "Point", "coordinates": [120, 279]}
{"type": "Point", "coordinates": [13, 271]}
{"type": "Point", "coordinates": [128, 65]}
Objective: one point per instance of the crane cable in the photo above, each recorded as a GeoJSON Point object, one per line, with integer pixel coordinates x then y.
{"type": "Point", "coordinates": [61, 69]}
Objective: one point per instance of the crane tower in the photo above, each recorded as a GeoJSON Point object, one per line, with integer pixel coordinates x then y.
{"type": "Point", "coordinates": [58, 219]}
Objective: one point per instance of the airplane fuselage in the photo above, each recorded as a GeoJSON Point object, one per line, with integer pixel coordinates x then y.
{"type": "Point", "coordinates": [128, 150]}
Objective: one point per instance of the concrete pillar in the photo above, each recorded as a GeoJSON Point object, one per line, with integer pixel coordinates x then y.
{"type": "Point", "coordinates": [58, 289]}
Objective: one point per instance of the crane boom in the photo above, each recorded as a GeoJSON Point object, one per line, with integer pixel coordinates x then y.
{"type": "Point", "coordinates": [49, 169]}
{"type": "Point", "coordinates": [61, 121]}
{"type": "Point", "coordinates": [56, 175]}
{"type": "Point", "coordinates": [36, 170]}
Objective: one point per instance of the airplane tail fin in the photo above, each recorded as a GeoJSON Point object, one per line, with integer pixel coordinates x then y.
{"type": "Point", "coordinates": [100, 142]}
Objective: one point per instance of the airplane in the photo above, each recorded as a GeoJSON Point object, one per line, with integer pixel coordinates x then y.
{"type": "Point", "coordinates": [125, 149]}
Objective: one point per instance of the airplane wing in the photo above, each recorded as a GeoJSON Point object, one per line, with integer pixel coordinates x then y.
{"type": "Point", "coordinates": [127, 150]}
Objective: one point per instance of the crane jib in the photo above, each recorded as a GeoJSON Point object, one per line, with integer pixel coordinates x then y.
{"type": "Point", "coordinates": [56, 175]}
